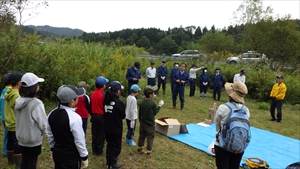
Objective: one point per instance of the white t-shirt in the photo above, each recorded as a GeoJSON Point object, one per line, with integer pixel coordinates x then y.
{"type": "Point", "coordinates": [151, 72]}
{"type": "Point", "coordinates": [131, 108]}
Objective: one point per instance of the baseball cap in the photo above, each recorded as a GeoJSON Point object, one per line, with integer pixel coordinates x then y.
{"type": "Point", "coordinates": [66, 93]}
{"type": "Point", "coordinates": [217, 68]}
{"type": "Point", "coordinates": [150, 89]}
{"type": "Point", "coordinates": [6, 78]}
{"type": "Point", "coordinates": [163, 61]}
{"type": "Point", "coordinates": [115, 86]}
{"type": "Point", "coordinates": [135, 88]}
{"type": "Point", "coordinates": [30, 79]}
{"type": "Point", "coordinates": [152, 63]}
{"type": "Point", "coordinates": [279, 77]}
{"type": "Point", "coordinates": [194, 65]}
{"type": "Point", "coordinates": [15, 77]}
{"type": "Point", "coordinates": [137, 65]}
{"type": "Point", "coordinates": [82, 84]}
{"type": "Point", "coordinates": [243, 71]}
{"type": "Point", "coordinates": [101, 81]}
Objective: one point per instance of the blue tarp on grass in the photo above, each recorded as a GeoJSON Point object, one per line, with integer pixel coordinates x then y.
{"type": "Point", "coordinates": [277, 150]}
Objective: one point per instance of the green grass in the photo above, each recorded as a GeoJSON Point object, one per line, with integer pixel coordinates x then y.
{"type": "Point", "coordinates": [168, 153]}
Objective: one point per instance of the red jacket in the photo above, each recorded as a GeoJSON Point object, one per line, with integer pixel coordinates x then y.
{"type": "Point", "coordinates": [82, 108]}
{"type": "Point", "coordinates": [97, 101]}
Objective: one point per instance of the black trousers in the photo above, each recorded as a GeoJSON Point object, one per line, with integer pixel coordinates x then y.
{"type": "Point", "coordinates": [203, 89]}
{"type": "Point", "coordinates": [226, 159]}
{"type": "Point", "coordinates": [113, 147]}
{"type": "Point", "coordinates": [217, 90]}
{"type": "Point", "coordinates": [12, 143]}
{"type": "Point", "coordinates": [162, 82]}
{"type": "Point", "coordinates": [30, 156]}
{"type": "Point", "coordinates": [192, 87]}
{"type": "Point", "coordinates": [151, 81]}
{"type": "Point", "coordinates": [64, 161]}
{"type": "Point", "coordinates": [278, 105]}
{"type": "Point", "coordinates": [98, 136]}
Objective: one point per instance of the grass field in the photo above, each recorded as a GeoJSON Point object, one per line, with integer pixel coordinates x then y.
{"type": "Point", "coordinates": [171, 154]}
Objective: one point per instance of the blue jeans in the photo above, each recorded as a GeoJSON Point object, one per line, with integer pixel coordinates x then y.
{"type": "Point", "coordinates": [130, 132]}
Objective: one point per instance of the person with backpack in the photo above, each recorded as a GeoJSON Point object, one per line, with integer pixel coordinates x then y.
{"type": "Point", "coordinates": [232, 119]}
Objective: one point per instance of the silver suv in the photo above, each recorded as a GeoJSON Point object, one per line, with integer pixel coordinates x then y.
{"type": "Point", "coordinates": [188, 54]}
{"type": "Point", "coordinates": [250, 56]}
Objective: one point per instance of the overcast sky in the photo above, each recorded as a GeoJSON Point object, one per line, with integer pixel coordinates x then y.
{"type": "Point", "coordinates": [104, 16]}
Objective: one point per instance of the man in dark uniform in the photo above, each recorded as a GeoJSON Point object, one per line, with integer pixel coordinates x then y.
{"type": "Point", "coordinates": [174, 70]}
{"type": "Point", "coordinates": [133, 75]}
{"type": "Point", "coordinates": [180, 78]}
{"type": "Point", "coordinates": [162, 74]}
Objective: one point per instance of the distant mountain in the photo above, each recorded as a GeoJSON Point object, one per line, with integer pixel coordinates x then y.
{"type": "Point", "coordinates": [58, 31]}
{"type": "Point", "coordinates": [43, 34]}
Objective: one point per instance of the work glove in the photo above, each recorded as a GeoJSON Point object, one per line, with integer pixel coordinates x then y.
{"type": "Point", "coordinates": [154, 96]}
{"type": "Point", "coordinates": [84, 164]}
{"type": "Point", "coordinates": [163, 77]}
{"type": "Point", "coordinates": [161, 103]}
{"type": "Point", "coordinates": [132, 123]}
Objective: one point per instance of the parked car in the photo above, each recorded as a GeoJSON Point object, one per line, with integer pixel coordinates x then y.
{"type": "Point", "coordinates": [186, 54]}
{"type": "Point", "coordinates": [250, 56]}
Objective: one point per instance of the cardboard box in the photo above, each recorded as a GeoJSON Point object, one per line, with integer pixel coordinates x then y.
{"type": "Point", "coordinates": [211, 114]}
{"type": "Point", "coordinates": [167, 126]}
{"type": "Point", "coordinates": [208, 121]}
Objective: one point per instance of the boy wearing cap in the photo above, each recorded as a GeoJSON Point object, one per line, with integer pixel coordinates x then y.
{"type": "Point", "coordinates": [174, 70]}
{"type": "Point", "coordinates": [240, 77]}
{"type": "Point", "coordinates": [13, 149]}
{"type": "Point", "coordinates": [204, 79]}
{"type": "Point", "coordinates": [193, 78]}
{"type": "Point", "coordinates": [97, 105]}
{"type": "Point", "coordinates": [31, 120]}
{"type": "Point", "coordinates": [224, 158]}
{"type": "Point", "coordinates": [162, 74]}
{"type": "Point", "coordinates": [133, 75]}
{"type": "Point", "coordinates": [151, 74]}
{"type": "Point", "coordinates": [277, 95]}
{"type": "Point", "coordinates": [131, 114]}
{"type": "Point", "coordinates": [7, 86]}
{"type": "Point", "coordinates": [64, 130]}
{"type": "Point", "coordinates": [181, 78]}
{"type": "Point", "coordinates": [217, 83]}
{"type": "Point", "coordinates": [147, 111]}
{"type": "Point", "coordinates": [113, 126]}
{"type": "Point", "coordinates": [83, 107]}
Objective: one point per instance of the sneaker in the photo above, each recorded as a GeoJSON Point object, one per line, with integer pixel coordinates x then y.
{"type": "Point", "coordinates": [148, 154]}
{"type": "Point", "coordinates": [140, 151]}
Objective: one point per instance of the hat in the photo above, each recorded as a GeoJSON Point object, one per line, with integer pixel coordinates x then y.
{"type": "Point", "coordinates": [163, 61]}
{"type": "Point", "coordinates": [137, 65]}
{"type": "Point", "coordinates": [150, 89]}
{"type": "Point", "coordinates": [6, 78]}
{"type": "Point", "coordinates": [217, 68]}
{"type": "Point", "coordinates": [193, 65]}
{"type": "Point", "coordinates": [101, 81]}
{"type": "Point", "coordinates": [236, 91]}
{"type": "Point", "coordinates": [66, 93]}
{"type": "Point", "coordinates": [15, 77]}
{"type": "Point", "coordinates": [82, 84]}
{"type": "Point", "coordinates": [279, 77]}
{"type": "Point", "coordinates": [135, 88]}
{"type": "Point", "coordinates": [243, 71]}
{"type": "Point", "coordinates": [152, 63]}
{"type": "Point", "coordinates": [30, 79]}
{"type": "Point", "coordinates": [115, 86]}
{"type": "Point", "coordinates": [175, 63]}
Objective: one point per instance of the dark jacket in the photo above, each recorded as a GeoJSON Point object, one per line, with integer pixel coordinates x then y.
{"type": "Point", "coordinates": [204, 78]}
{"type": "Point", "coordinates": [133, 73]}
{"type": "Point", "coordinates": [218, 80]}
{"type": "Point", "coordinates": [162, 71]}
{"type": "Point", "coordinates": [173, 72]}
{"type": "Point", "coordinates": [182, 76]}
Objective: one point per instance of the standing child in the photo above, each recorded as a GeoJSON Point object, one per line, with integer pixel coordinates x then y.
{"type": "Point", "coordinates": [97, 104]}
{"type": "Point", "coordinates": [13, 150]}
{"type": "Point", "coordinates": [31, 120]}
{"type": "Point", "coordinates": [7, 86]}
{"type": "Point", "coordinates": [83, 107]}
{"type": "Point", "coordinates": [64, 130]}
{"type": "Point", "coordinates": [114, 114]}
{"type": "Point", "coordinates": [147, 111]}
{"type": "Point", "coordinates": [131, 114]}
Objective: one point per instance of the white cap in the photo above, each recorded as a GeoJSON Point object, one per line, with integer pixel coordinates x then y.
{"type": "Point", "coordinates": [30, 79]}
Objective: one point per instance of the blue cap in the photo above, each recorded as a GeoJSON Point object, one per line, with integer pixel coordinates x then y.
{"type": "Point", "coordinates": [135, 88]}
{"type": "Point", "coordinates": [243, 71]}
{"type": "Point", "coordinates": [115, 86]}
{"type": "Point", "coordinates": [101, 81]}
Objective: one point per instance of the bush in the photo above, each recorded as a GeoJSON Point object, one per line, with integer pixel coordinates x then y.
{"type": "Point", "coordinates": [263, 106]}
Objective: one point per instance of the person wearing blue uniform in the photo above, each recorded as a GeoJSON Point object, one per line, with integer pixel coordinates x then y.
{"type": "Point", "coordinates": [181, 78]}
{"type": "Point", "coordinates": [217, 83]}
{"type": "Point", "coordinates": [174, 70]}
{"type": "Point", "coordinates": [133, 75]}
{"type": "Point", "coordinates": [162, 74]}
{"type": "Point", "coordinates": [204, 79]}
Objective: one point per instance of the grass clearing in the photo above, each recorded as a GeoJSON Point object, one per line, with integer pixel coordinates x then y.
{"type": "Point", "coordinates": [168, 153]}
